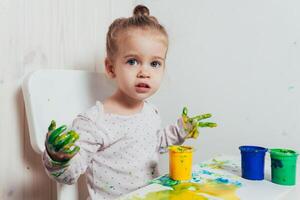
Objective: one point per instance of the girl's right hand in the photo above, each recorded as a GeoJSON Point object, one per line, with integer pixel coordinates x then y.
{"type": "Point", "coordinates": [60, 144]}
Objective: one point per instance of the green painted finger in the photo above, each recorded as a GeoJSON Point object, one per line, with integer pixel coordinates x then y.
{"type": "Point", "coordinates": [67, 147]}
{"type": "Point", "coordinates": [60, 138]}
{"type": "Point", "coordinates": [71, 150]}
{"type": "Point", "coordinates": [74, 134]}
{"type": "Point", "coordinates": [52, 126]}
{"type": "Point", "coordinates": [200, 117]}
{"type": "Point", "coordinates": [56, 133]}
{"type": "Point", "coordinates": [194, 133]}
{"type": "Point", "coordinates": [63, 140]}
{"type": "Point", "coordinates": [207, 124]}
{"type": "Point", "coordinates": [65, 135]}
{"type": "Point", "coordinates": [184, 111]}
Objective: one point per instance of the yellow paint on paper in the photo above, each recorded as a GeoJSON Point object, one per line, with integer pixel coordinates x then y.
{"type": "Point", "coordinates": [194, 191]}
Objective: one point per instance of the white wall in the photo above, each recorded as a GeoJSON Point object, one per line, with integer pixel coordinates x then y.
{"type": "Point", "coordinates": [236, 59]}
{"type": "Point", "coordinates": [240, 61]}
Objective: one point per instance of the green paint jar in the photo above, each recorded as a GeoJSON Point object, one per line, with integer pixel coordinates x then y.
{"type": "Point", "coordinates": [283, 166]}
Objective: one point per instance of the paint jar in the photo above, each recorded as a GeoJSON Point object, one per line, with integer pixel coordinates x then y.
{"type": "Point", "coordinates": [180, 162]}
{"type": "Point", "coordinates": [283, 166]}
{"type": "Point", "coordinates": [253, 162]}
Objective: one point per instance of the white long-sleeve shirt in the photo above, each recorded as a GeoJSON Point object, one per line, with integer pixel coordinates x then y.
{"type": "Point", "coordinates": [118, 153]}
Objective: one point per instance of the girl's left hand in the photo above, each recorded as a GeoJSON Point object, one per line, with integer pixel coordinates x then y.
{"type": "Point", "coordinates": [191, 124]}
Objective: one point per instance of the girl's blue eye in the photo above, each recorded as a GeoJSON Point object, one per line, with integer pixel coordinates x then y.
{"type": "Point", "coordinates": [132, 62]}
{"type": "Point", "coordinates": [155, 64]}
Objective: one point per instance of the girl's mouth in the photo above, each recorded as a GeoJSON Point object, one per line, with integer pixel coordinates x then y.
{"type": "Point", "coordinates": [142, 87]}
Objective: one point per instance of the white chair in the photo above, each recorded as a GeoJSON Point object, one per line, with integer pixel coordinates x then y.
{"type": "Point", "coordinates": [60, 95]}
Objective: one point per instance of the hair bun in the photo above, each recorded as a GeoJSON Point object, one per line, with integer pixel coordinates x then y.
{"type": "Point", "coordinates": [141, 10]}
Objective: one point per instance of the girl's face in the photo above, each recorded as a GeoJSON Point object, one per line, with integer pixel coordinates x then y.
{"type": "Point", "coordinates": [139, 63]}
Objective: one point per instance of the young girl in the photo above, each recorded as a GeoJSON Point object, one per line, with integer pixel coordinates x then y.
{"type": "Point", "coordinates": [119, 140]}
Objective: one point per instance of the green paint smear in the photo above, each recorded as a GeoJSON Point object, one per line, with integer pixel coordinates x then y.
{"type": "Point", "coordinates": [193, 191]}
{"type": "Point", "coordinates": [165, 181]}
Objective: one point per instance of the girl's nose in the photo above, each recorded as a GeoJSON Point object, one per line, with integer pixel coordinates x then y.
{"type": "Point", "coordinates": [143, 73]}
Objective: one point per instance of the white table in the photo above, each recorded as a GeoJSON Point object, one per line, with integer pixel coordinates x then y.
{"type": "Point", "coordinates": [215, 179]}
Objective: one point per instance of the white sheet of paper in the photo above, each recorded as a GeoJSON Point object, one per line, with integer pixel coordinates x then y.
{"type": "Point", "coordinates": [231, 170]}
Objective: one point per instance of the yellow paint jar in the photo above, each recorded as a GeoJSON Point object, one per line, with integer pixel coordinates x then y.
{"type": "Point", "coordinates": [180, 162]}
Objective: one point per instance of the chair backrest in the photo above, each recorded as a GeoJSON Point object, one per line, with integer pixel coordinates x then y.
{"type": "Point", "coordinates": [60, 95]}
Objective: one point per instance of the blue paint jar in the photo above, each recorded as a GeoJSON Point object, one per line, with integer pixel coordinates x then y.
{"type": "Point", "coordinates": [253, 162]}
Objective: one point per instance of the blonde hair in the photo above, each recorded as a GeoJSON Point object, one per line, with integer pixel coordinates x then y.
{"type": "Point", "coordinates": [141, 19]}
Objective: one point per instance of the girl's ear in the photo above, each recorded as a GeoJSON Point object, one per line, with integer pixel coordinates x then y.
{"type": "Point", "coordinates": [109, 68]}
